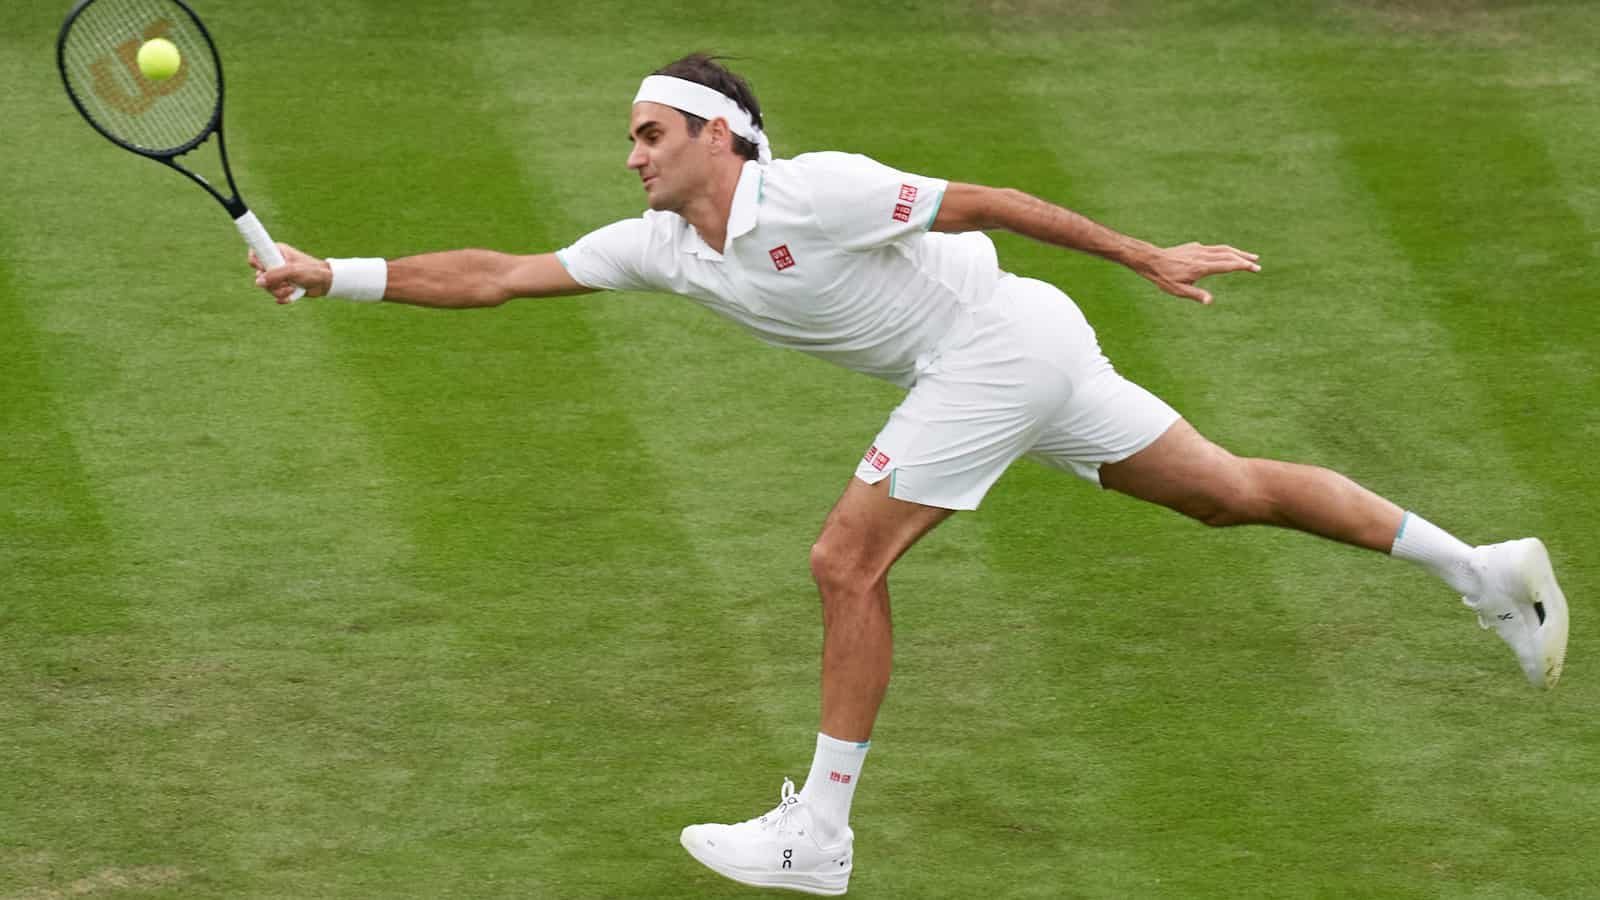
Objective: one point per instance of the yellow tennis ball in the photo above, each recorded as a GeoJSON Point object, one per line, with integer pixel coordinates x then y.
{"type": "Point", "coordinates": [159, 59]}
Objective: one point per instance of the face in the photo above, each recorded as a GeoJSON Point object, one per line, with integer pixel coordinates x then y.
{"type": "Point", "coordinates": [673, 166]}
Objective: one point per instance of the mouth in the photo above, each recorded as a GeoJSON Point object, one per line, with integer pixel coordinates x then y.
{"type": "Point", "coordinates": [647, 182]}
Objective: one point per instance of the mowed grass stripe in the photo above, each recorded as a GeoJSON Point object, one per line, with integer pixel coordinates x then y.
{"type": "Point", "coordinates": [229, 522]}
{"type": "Point", "coordinates": [62, 613]}
{"type": "Point", "coordinates": [1403, 727]}
{"type": "Point", "coordinates": [1482, 192]}
{"type": "Point", "coordinates": [1193, 655]}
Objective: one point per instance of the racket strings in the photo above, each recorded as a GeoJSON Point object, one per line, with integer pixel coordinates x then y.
{"type": "Point", "coordinates": [99, 57]}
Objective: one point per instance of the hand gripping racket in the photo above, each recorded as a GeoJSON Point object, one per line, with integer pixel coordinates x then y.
{"type": "Point", "coordinates": [162, 120]}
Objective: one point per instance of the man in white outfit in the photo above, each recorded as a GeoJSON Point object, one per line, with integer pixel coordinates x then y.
{"type": "Point", "coordinates": [890, 274]}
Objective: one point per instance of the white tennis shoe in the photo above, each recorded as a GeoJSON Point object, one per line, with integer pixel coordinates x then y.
{"type": "Point", "coordinates": [777, 850]}
{"type": "Point", "coordinates": [1518, 597]}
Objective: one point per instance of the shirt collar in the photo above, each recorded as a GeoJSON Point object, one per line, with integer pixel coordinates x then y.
{"type": "Point", "coordinates": [741, 216]}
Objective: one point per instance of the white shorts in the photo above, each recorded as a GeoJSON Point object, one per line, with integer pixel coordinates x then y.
{"type": "Point", "coordinates": [1027, 377]}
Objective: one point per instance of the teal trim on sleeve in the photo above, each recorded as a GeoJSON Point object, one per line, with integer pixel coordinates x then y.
{"type": "Point", "coordinates": [564, 264]}
{"type": "Point", "coordinates": [1402, 532]}
{"type": "Point", "coordinates": [936, 204]}
{"type": "Point", "coordinates": [892, 476]}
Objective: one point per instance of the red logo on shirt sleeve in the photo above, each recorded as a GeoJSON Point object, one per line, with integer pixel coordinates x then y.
{"type": "Point", "coordinates": [908, 193]}
{"type": "Point", "coordinates": [902, 212]}
{"type": "Point", "coordinates": [781, 257]}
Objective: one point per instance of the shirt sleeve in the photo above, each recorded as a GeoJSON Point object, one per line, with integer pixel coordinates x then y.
{"type": "Point", "coordinates": [611, 258]}
{"type": "Point", "coordinates": [862, 203]}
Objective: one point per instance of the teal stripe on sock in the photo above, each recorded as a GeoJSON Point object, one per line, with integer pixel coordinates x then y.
{"type": "Point", "coordinates": [1402, 532]}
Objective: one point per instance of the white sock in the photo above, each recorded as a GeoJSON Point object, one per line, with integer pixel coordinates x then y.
{"type": "Point", "coordinates": [835, 770]}
{"type": "Point", "coordinates": [1436, 550]}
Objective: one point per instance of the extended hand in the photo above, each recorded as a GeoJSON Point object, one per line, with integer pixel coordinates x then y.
{"type": "Point", "coordinates": [1176, 269]}
{"type": "Point", "coordinates": [300, 270]}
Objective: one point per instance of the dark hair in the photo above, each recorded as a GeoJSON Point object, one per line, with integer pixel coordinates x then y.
{"type": "Point", "coordinates": [703, 68]}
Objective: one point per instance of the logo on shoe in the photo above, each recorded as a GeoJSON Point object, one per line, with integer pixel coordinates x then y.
{"type": "Point", "coordinates": [788, 858]}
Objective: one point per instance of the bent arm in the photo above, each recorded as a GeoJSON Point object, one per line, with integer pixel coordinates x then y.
{"type": "Point", "coordinates": [453, 279]}
{"type": "Point", "coordinates": [972, 207]}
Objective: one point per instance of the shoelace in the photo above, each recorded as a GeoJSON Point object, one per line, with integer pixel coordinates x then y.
{"type": "Point", "coordinates": [780, 819]}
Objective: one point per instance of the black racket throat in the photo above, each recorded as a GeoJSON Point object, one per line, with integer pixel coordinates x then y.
{"type": "Point", "coordinates": [231, 202]}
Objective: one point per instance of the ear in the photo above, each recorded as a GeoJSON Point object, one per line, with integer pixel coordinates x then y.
{"type": "Point", "coordinates": [721, 135]}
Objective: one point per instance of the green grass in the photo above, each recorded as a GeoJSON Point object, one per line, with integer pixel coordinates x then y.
{"type": "Point", "coordinates": [338, 601]}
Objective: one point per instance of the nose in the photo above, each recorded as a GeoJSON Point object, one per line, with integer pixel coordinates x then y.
{"type": "Point", "coordinates": [636, 159]}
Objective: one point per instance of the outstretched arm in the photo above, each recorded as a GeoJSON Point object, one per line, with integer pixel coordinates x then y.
{"type": "Point", "coordinates": [454, 279]}
{"type": "Point", "coordinates": [972, 207]}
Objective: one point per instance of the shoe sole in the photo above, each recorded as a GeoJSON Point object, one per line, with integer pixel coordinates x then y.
{"type": "Point", "coordinates": [1540, 581]}
{"type": "Point", "coordinates": [819, 885]}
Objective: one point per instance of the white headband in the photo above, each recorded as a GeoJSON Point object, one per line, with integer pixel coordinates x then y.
{"type": "Point", "coordinates": [707, 103]}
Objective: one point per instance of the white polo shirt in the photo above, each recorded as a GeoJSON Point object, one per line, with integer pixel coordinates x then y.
{"type": "Point", "coordinates": [826, 253]}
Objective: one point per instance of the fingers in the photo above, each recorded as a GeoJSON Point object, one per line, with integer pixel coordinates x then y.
{"type": "Point", "coordinates": [1223, 258]}
{"type": "Point", "coordinates": [1186, 290]}
{"type": "Point", "coordinates": [281, 282]}
{"type": "Point", "coordinates": [1216, 257]}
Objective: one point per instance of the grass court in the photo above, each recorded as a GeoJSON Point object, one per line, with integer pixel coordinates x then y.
{"type": "Point", "coordinates": [337, 601]}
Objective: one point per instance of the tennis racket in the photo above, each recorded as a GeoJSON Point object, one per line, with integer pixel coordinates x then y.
{"type": "Point", "coordinates": [160, 120]}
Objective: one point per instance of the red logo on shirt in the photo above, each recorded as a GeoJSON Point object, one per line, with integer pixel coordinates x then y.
{"type": "Point", "coordinates": [781, 257]}
{"type": "Point", "coordinates": [902, 212]}
{"type": "Point", "coordinates": [908, 193]}
{"type": "Point", "coordinates": [839, 777]}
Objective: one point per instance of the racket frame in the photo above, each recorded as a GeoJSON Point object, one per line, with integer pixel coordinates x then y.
{"type": "Point", "coordinates": [234, 204]}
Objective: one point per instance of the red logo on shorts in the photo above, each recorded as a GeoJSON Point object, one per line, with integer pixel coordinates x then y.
{"type": "Point", "coordinates": [781, 257]}
{"type": "Point", "coordinates": [839, 777]}
{"type": "Point", "coordinates": [878, 460]}
{"type": "Point", "coordinates": [908, 193]}
{"type": "Point", "coordinates": [902, 212]}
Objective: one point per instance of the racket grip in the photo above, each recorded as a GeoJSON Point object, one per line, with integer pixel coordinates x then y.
{"type": "Point", "coordinates": [255, 234]}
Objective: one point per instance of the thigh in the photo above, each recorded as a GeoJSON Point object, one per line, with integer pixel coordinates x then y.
{"type": "Point", "coordinates": [1181, 470]}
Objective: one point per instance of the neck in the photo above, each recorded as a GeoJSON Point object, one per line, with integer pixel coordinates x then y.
{"type": "Point", "coordinates": [709, 212]}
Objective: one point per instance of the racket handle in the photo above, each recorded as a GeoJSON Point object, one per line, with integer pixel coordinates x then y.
{"type": "Point", "coordinates": [255, 234]}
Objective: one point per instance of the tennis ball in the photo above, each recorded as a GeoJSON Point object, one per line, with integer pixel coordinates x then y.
{"type": "Point", "coordinates": [159, 59]}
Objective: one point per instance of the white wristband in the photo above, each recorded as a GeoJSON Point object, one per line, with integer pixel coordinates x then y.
{"type": "Point", "coordinates": [362, 280]}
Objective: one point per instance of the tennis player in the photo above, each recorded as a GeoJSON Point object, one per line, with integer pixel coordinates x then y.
{"type": "Point", "coordinates": [891, 274]}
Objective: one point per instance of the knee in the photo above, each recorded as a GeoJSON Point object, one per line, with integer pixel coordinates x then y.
{"type": "Point", "coordinates": [838, 566]}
